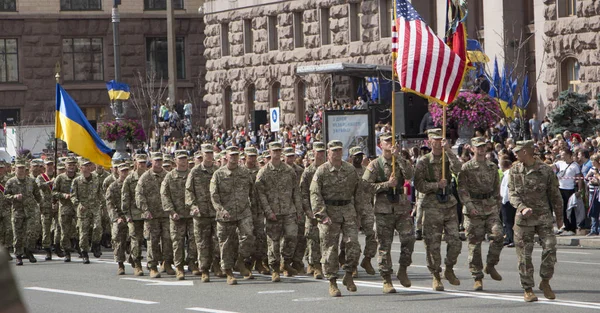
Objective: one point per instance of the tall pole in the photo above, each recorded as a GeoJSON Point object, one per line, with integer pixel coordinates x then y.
{"type": "Point", "coordinates": [393, 97]}
{"type": "Point", "coordinates": [57, 76]}
{"type": "Point", "coordinates": [118, 106]}
{"type": "Point", "coordinates": [172, 50]}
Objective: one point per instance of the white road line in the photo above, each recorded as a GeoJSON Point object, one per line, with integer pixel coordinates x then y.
{"type": "Point", "coordinates": [276, 291]}
{"type": "Point", "coordinates": [565, 252]}
{"type": "Point", "coordinates": [586, 263]}
{"type": "Point", "coordinates": [91, 295]}
{"type": "Point", "coordinates": [208, 310]}
{"type": "Point", "coordinates": [152, 282]}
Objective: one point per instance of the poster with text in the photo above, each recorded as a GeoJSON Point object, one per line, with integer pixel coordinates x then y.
{"type": "Point", "coordinates": [350, 127]}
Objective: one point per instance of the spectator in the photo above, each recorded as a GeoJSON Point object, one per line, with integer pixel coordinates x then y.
{"type": "Point", "coordinates": [508, 211]}
{"type": "Point", "coordinates": [593, 179]}
{"type": "Point", "coordinates": [568, 172]}
{"type": "Point", "coordinates": [535, 127]}
{"type": "Point", "coordinates": [187, 110]}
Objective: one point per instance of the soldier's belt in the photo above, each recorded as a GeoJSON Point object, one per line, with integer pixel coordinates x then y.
{"type": "Point", "coordinates": [481, 196]}
{"type": "Point", "coordinates": [337, 202]}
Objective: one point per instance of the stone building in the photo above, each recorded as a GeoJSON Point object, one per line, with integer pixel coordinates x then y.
{"type": "Point", "coordinates": [35, 36]}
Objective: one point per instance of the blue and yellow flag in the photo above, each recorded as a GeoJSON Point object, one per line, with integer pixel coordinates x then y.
{"type": "Point", "coordinates": [117, 91]}
{"type": "Point", "coordinates": [73, 128]}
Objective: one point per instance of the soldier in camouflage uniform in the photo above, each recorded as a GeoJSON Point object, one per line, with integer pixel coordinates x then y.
{"type": "Point", "coordinates": [86, 194]}
{"type": "Point", "coordinates": [5, 220]}
{"type": "Point", "coordinates": [66, 211]}
{"type": "Point", "coordinates": [298, 264]}
{"type": "Point", "coordinates": [36, 167]}
{"type": "Point", "coordinates": [280, 201]}
{"type": "Point", "coordinates": [439, 208]}
{"type": "Point", "coordinates": [533, 191]}
{"type": "Point", "coordinates": [24, 195]}
{"type": "Point", "coordinates": [117, 216]}
{"type": "Point", "coordinates": [172, 193]}
{"type": "Point", "coordinates": [197, 197]}
{"type": "Point", "coordinates": [479, 191]}
{"type": "Point", "coordinates": [311, 232]}
{"type": "Point", "coordinates": [168, 162]}
{"type": "Point", "coordinates": [332, 196]}
{"type": "Point", "coordinates": [261, 262]}
{"type": "Point", "coordinates": [135, 222]}
{"type": "Point", "coordinates": [147, 197]}
{"type": "Point", "coordinates": [49, 210]}
{"type": "Point", "coordinates": [106, 223]}
{"type": "Point", "coordinates": [232, 193]}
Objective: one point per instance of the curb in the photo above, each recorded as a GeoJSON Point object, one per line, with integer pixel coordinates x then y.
{"type": "Point", "coordinates": [577, 241]}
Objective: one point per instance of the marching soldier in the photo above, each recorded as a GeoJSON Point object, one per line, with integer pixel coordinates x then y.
{"type": "Point", "coordinates": [168, 162]}
{"type": "Point", "coordinates": [106, 224]}
{"type": "Point", "coordinates": [49, 210]}
{"type": "Point", "coordinates": [297, 261]}
{"type": "Point", "coordinates": [135, 222]}
{"type": "Point", "coordinates": [36, 167]}
{"type": "Point", "coordinates": [332, 194]}
{"type": "Point", "coordinates": [66, 209]}
{"type": "Point", "coordinates": [117, 216]}
{"type": "Point", "coordinates": [479, 191]}
{"type": "Point", "coordinates": [5, 218]}
{"type": "Point", "coordinates": [533, 190]}
{"type": "Point", "coordinates": [231, 191]}
{"type": "Point", "coordinates": [439, 208]}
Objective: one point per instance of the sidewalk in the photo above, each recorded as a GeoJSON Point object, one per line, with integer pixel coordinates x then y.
{"type": "Point", "coordinates": [579, 241]}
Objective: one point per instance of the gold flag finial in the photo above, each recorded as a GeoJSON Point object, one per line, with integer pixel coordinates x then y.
{"type": "Point", "coordinates": [57, 71]}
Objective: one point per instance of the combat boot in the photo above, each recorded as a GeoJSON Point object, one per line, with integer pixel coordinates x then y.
{"type": "Point", "coordinates": [216, 268]}
{"type": "Point", "coordinates": [260, 267]}
{"type": "Point", "coordinates": [287, 269]}
{"type": "Point", "coordinates": [67, 257]}
{"type": "Point", "coordinates": [529, 295]}
{"type": "Point", "coordinates": [366, 264]}
{"type": "Point", "coordinates": [162, 268]}
{"type": "Point", "coordinates": [48, 254]}
{"type": "Point", "coordinates": [85, 257]}
{"type": "Point", "coordinates": [275, 277]}
{"type": "Point", "coordinates": [299, 267]}
{"type": "Point", "coordinates": [355, 272]}
{"type": "Point", "coordinates": [30, 256]}
{"type": "Point", "coordinates": [121, 270]}
{"type": "Point", "coordinates": [230, 278]}
{"type": "Point", "coordinates": [179, 274]}
{"type": "Point", "coordinates": [318, 274]}
{"type": "Point", "coordinates": [167, 267]}
{"type": "Point", "coordinates": [137, 268]}
{"type": "Point", "coordinates": [449, 275]}
{"type": "Point", "coordinates": [388, 287]}
{"type": "Point", "coordinates": [241, 266]}
{"type": "Point", "coordinates": [403, 277]}
{"type": "Point", "coordinates": [309, 269]}
{"type": "Point", "coordinates": [491, 270]}
{"type": "Point", "coordinates": [194, 268]}
{"type": "Point", "coordinates": [205, 276]}
{"type": "Point", "coordinates": [348, 281]}
{"type": "Point", "coordinates": [437, 282]}
{"type": "Point", "coordinates": [334, 291]}
{"type": "Point", "coordinates": [59, 252]}
{"type": "Point", "coordinates": [478, 286]}
{"type": "Point", "coordinates": [154, 273]}
{"type": "Point", "coordinates": [19, 260]}
{"type": "Point", "coordinates": [545, 287]}
{"type": "Point", "coordinates": [96, 249]}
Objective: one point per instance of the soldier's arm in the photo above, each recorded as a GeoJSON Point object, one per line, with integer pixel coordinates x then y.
{"type": "Point", "coordinates": [455, 163]}
{"type": "Point", "coordinates": [165, 197]}
{"type": "Point", "coordinates": [261, 190]}
{"type": "Point", "coordinates": [37, 193]}
{"type": "Point", "coordinates": [112, 194]}
{"type": "Point", "coordinates": [125, 205]}
{"type": "Point", "coordinates": [74, 193]}
{"type": "Point", "coordinates": [463, 192]}
{"type": "Point", "coordinates": [296, 195]}
{"type": "Point", "coordinates": [370, 177]}
{"type": "Point", "coordinates": [407, 168]}
{"type": "Point", "coordinates": [357, 196]}
{"type": "Point", "coordinates": [305, 193]}
{"type": "Point", "coordinates": [497, 183]}
{"type": "Point", "coordinates": [190, 191]}
{"type": "Point", "coordinates": [316, 198]}
{"type": "Point", "coordinates": [555, 197]}
{"type": "Point", "coordinates": [514, 196]}
{"type": "Point", "coordinates": [140, 198]}
{"type": "Point", "coordinates": [215, 197]}
{"type": "Point", "coordinates": [9, 191]}
{"type": "Point", "coordinates": [56, 188]}
{"type": "Point", "coordinates": [421, 184]}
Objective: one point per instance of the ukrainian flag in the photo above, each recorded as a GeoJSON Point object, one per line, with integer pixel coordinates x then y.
{"type": "Point", "coordinates": [74, 129]}
{"type": "Point", "coordinates": [117, 91]}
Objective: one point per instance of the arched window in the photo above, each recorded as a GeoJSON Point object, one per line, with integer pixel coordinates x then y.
{"type": "Point", "coordinates": [569, 78]}
{"type": "Point", "coordinates": [227, 108]}
{"type": "Point", "coordinates": [300, 101]}
{"type": "Point", "coordinates": [566, 8]}
{"type": "Point", "coordinates": [275, 95]}
{"type": "Point", "coordinates": [250, 98]}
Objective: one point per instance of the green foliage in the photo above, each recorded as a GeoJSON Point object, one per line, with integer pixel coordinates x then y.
{"type": "Point", "coordinates": [574, 114]}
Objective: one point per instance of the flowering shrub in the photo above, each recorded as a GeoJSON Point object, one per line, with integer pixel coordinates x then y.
{"type": "Point", "coordinates": [131, 130]}
{"type": "Point", "coordinates": [473, 109]}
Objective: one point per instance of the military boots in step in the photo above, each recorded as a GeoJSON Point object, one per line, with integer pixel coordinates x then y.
{"type": "Point", "coordinates": [403, 277]}
{"type": "Point", "coordinates": [451, 277]}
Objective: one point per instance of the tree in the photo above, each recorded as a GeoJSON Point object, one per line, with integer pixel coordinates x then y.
{"type": "Point", "coordinates": [146, 95]}
{"type": "Point", "coordinates": [574, 114]}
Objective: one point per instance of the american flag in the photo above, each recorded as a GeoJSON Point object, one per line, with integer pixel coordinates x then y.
{"type": "Point", "coordinates": [425, 64]}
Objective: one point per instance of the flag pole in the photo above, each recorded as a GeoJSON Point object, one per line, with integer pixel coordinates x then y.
{"type": "Point", "coordinates": [57, 76]}
{"type": "Point", "coordinates": [393, 96]}
{"type": "Point", "coordinates": [444, 138]}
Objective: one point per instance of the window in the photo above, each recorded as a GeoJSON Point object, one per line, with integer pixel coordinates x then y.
{"type": "Point", "coordinates": [80, 5]}
{"type": "Point", "coordinates": [227, 107]}
{"type": "Point", "coordinates": [82, 59]}
{"type": "Point", "coordinates": [566, 8]}
{"type": "Point", "coordinates": [569, 78]}
{"type": "Point", "coordinates": [355, 25]}
{"type": "Point", "coordinates": [224, 39]}
{"type": "Point", "coordinates": [325, 27]}
{"type": "Point", "coordinates": [300, 101]}
{"type": "Point", "coordinates": [273, 35]}
{"type": "Point", "coordinates": [157, 56]}
{"type": "Point", "coordinates": [250, 98]}
{"type": "Point", "coordinates": [248, 36]}
{"type": "Point", "coordinates": [9, 61]}
{"type": "Point", "coordinates": [298, 29]}
{"type": "Point", "coordinates": [8, 5]}
{"type": "Point", "coordinates": [275, 95]}
{"type": "Point", "coordinates": [385, 18]}
{"type": "Point", "coordinates": [162, 4]}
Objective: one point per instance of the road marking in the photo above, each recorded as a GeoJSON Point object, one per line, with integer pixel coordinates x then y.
{"type": "Point", "coordinates": [586, 263]}
{"type": "Point", "coordinates": [209, 310]}
{"type": "Point", "coordinates": [276, 291]}
{"type": "Point", "coordinates": [91, 295]}
{"type": "Point", "coordinates": [312, 299]}
{"type": "Point", "coordinates": [414, 252]}
{"type": "Point", "coordinates": [150, 282]}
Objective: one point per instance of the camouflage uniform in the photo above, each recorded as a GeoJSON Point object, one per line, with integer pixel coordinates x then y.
{"type": "Point", "coordinates": [118, 230]}
{"type": "Point", "coordinates": [311, 230]}
{"type": "Point", "coordinates": [232, 191]}
{"type": "Point", "coordinates": [479, 189]}
{"type": "Point", "coordinates": [5, 219]}
{"type": "Point", "coordinates": [300, 237]}
{"type": "Point", "coordinates": [86, 192]}
{"type": "Point", "coordinates": [66, 210]}
{"type": "Point", "coordinates": [535, 187]}
{"type": "Point", "coordinates": [279, 194]}
{"type": "Point", "coordinates": [49, 210]}
{"type": "Point", "coordinates": [148, 199]}
{"type": "Point", "coordinates": [133, 213]}
{"type": "Point", "coordinates": [332, 194]}
{"type": "Point", "coordinates": [258, 219]}
{"type": "Point", "coordinates": [105, 218]}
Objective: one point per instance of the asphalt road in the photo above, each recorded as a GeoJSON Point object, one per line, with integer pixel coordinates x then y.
{"type": "Point", "coordinates": [55, 286]}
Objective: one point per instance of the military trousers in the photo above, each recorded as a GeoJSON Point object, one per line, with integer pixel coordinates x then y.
{"type": "Point", "coordinates": [105, 221]}
{"type": "Point", "coordinates": [68, 231]}
{"type": "Point", "coordinates": [6, 232]}
{"type": "Point", "coordinates": [50, 219]}
{"type": "Point", "coordinates": [330, 240]}
{"type": "Point", "coordinates": [205, 232]}
{"type": "Point", "coordinates": [182, 236]}
{"type": "Point", "coordinates": [89, 223]}
{"type": "Point", "coordinates": [438, 220]}
{"type": "Point", "coordinates": [23, 236]}
{"type": "Point", "coordinates": [160, 246]}
{"type": "Point", "coordinates": [367, 223]}
{"type": "Point", "coordinates": [386, 225]}
{"type": "Point", "coordinates": [524, 242]}
{"type": "Point", "coordinates": [477, 227]}
{"type": "Point", "coordinates": [119, 240]}
{"type": "Point", "coordinates": [313, 244]}
{"type": "Point", "coordinates": [281, 239]}
{"type": "Point", "coordinates": [136, 234]}
{"type": "Point", "coordinates": [419, 215]}
{"type": "Point", "coordinates": [235, 238]}
{"type": "Point", "coordinates": [300, 242]}
{"type": "Point", "coordinates": [260, 241]}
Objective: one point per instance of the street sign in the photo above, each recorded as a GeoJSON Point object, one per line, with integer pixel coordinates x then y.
{"type": "Point", "coordinates": [274, 118]}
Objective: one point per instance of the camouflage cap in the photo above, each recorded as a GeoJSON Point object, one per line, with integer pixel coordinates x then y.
{"type": "Point", "coordinates": [310, 155]}
{"type": "Point", "coordinates": [62, 159]}
{"type": "Point", "coordinates": [141, 158]}
{"type": "Point", "coordinates": [207, 147]}
{"type": "Point", "coordinates": [335, 145]}
{"type": "Point", "coordinates": [2, 164]}
{"type": "Point", "coordinates": [478, 141]}
{"type": "Point", "coordinates": [71, 160]}
{"type": "Point", "coordinates": [181, 154]}
{"type": "Point", "coordinates": [123, 166]}
{"type": "Point", "coordinates": [198, 154]}
{"type": "Point", "coordinates": [526, 144]}
{"type": "Point", "coordinates": [275, 146]}
{"type": "Point", "coordinates": [60, 166]}
{"type": "Point", "coordinates": [434, 133]}
{"type": "Point", "coordinates": [250, 151]}
{"type": "Point", "coordinates": [289, 151]}
{"type": "Point", "coordinates": [191, 161]}
{"type": "Point", "coordinates": [156, 156]}
{"type": "Point", "coordinates": [260, 159]}
{"type": "Point", "coordinates": [37, 162]}
{"type": "Point", "coordinates": [117, 162]}
{"type": "Point", "coordinates": [356, 151]}
{"type": "Point", "coordinates": [49, 161]}
{"type": "Point", "coordinates": [385, 136]}
{"type": "Point", "coordinates": [21, 162]}
{"type": "Point", "coordinates": [85, 161]}
{"type": "Point", "coordinates": [232, 150]}
{"type": "Point", "coordinates": [319, 146]}
{"type": "Point", "coordinates": [242, 155]}
{"type": "Point", "coordinates": [266, 155]}
{"type": "Point", "coordinates": [167, 158]}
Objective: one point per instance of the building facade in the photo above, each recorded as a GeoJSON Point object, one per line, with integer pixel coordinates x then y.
{"type": "Point", "coordinates": [75, 36]}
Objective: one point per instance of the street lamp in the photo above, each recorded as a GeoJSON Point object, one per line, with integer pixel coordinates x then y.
{"type": "Point", "coordinates": [118, 107]}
